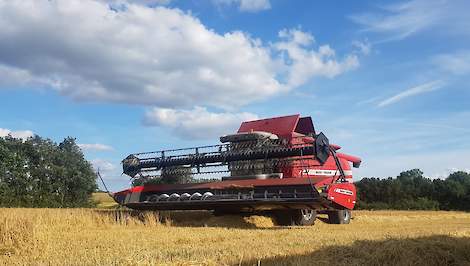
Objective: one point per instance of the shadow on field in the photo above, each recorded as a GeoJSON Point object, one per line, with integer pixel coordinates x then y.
{"type": "Point", "coordinates": [325, 219]}
{"type": "Point", "coordinates": [433, 250]}
{"type": "Point", "coordinates": [188, 219]}
{"type": "Point", "coordinates": [197, 219]}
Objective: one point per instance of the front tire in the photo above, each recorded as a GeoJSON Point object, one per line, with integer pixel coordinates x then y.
{"type": "Point", "coordinates": [304, 217]}
{"type": "Point", "coordinates": [339, 217]}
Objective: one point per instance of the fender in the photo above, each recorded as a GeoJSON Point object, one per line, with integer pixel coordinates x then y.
{"type": "Point", "coordinates": [343, 194]}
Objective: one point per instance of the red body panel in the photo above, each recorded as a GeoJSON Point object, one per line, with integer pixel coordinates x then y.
{"type": "Point", "coordinates": [282, 126]}
{"type": "Point", "coordinates": [343, 194]}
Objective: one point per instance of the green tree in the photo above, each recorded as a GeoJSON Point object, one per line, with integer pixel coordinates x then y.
{"type": "Point", "coordinates": [39, 173]}
{"type": "Point", "coordinates": [78, 180]}
{"type": "Point", "coordinates": [409, 191]}
{"type": "Point", "coordinates": [454, 192]}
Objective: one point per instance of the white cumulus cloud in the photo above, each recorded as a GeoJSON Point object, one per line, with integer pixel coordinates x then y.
{"type": "Point", "coordinates": [18, 134]}
{"type": "Point", "coordinates": [155, 56]}
{"type": "Point", "coordinates": [306, 63]}
{"type": "Point", "coordinates": [95, 147]}
{"type": "Point", "coordinates": [197, 123]}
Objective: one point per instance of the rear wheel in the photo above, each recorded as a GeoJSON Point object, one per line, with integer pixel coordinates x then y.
{"type": "Point", "coordinates": [339, 217]}
{"type": "Point", "coordinates": [302, 217]}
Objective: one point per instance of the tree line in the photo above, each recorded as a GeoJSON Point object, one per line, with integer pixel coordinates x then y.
{"type": "Point", "coordinates": [412, 191]}
{"type": "Point", "coordinates": [40, 173]}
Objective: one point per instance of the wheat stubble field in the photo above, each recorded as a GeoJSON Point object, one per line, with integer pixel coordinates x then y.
{"type": "Point", "coordinates": [101, 237]}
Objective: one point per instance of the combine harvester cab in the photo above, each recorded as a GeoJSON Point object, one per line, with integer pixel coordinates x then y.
{"type": "Point", "coordinates": [279, 166]}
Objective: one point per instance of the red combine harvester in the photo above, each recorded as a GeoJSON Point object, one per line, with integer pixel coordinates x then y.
{"type": "Point", "coordinates": [279, 166]}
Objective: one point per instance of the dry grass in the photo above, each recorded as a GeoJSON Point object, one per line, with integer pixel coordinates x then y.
{"type": "Point", "coordinates": [100, 237]}
{"type": "Point", "coordinates": [104, 201]}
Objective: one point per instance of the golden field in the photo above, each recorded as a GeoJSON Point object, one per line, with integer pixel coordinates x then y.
{"type": "Point", "coordinates": [110, 237]}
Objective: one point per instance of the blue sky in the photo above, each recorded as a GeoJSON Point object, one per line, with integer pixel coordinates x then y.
{"type": "Point", "coordinates": [386, 80]}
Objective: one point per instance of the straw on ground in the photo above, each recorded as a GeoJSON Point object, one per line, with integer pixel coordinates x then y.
{"type": "Point", "coordinates": [106, 237]}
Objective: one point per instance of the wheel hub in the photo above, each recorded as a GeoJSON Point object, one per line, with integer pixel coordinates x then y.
{"type": "Point", "coordinates": [307, 214]}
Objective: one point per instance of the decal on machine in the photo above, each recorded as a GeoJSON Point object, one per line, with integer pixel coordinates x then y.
{"type": "Point", "coordinates": [343, 191]}
{"type": "Point", "coordinates": [325, 172]}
